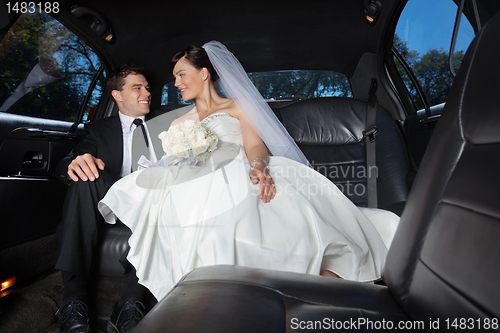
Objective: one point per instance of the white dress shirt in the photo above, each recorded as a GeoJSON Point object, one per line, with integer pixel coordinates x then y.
{"type": "Point", "coordinates": [128, 128]}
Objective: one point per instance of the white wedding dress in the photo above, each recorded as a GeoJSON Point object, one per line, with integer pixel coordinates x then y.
{"type": "Point", "coordinates": [187, 216]}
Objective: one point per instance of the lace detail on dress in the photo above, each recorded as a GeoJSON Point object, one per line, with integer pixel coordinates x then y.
{"type": "Point", "coordinates": [215, 115]}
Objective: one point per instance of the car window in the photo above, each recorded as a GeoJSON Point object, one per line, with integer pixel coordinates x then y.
{"type": "Point", "coordinates": [283, 85]}
{"type": "Point", "coordinates": [46, 70]}
{"type": "Point", "coordinates": [422, 39]}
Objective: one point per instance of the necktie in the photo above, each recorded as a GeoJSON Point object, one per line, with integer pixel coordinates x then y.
{"type": "Point", "coordinates": [138, 122]}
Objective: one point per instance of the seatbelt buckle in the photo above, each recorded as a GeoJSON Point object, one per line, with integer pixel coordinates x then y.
{"type": "Point", "coordinates": [370, 133]}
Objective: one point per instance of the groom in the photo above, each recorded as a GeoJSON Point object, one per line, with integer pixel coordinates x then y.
{"type": "Point", "coordinates": [97, 162]}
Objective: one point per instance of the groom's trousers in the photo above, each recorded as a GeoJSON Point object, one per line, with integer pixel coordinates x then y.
{"type": "Point", "coordinates": [78, 234]}
{"type": "Point", "coordinates": [79, 227]}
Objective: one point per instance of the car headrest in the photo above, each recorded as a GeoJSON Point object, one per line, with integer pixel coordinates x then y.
{"type": "Point", "coordinates": [478, 98]}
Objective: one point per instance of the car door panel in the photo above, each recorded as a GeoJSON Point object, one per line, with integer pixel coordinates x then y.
{"type": "Point", "coordinates": [51, 81]}
{"type": "Point", "coordinates": [34, 151]}
{"type": "Point", "coordinates": [28, 157]}
{"type": "Point", "coordinates": [31, 195]}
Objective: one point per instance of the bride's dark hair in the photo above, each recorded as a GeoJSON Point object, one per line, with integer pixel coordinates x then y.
{"type": "Point", "coordinates": [197, 56]}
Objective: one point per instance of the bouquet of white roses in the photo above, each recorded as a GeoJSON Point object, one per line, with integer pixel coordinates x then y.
{"type": "Point", "coordinates": [189, 139]}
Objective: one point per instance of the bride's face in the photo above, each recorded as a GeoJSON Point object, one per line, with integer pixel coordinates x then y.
{"type": "Point", "coordinates": [188, 79]}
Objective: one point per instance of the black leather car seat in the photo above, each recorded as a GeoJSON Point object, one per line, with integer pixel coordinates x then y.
{"type": "Point", "coordinates": [442, 268]}
{"type": "Point", "coordinates": [330, 132]}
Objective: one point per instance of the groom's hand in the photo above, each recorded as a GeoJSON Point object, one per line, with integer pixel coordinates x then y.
{"type": "Point", "coordinates": [85, 167]}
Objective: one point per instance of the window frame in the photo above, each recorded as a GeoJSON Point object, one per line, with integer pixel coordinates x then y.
{"type": "Point", "coordinates": [397, 83]}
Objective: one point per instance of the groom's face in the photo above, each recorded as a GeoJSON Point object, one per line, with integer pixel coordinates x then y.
{"type": "Point", "coordinates": [134, 98]}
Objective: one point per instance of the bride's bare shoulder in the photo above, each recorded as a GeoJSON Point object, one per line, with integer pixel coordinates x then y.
{"type": "Point", "coordinates": [190, 115]}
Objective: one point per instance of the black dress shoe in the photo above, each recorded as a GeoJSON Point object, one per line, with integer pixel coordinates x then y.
{"type": "Point", "coordinates": [75, 318]}
{"type": "Point", "coordinates": [124, 319]}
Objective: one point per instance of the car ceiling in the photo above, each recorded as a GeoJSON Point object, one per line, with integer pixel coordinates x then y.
{"type": "Point", "coordinates": [264, 35]}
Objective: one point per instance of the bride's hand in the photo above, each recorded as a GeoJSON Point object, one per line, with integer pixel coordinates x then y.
{"type": "Point", "coordinates": [267, 189]}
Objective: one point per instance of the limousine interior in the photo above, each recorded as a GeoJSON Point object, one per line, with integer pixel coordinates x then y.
{"type": "Point", "coordinates": [404, 86]}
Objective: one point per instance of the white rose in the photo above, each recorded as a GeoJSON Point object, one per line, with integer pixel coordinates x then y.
{"type": "Point", "coordinates": [201, 134]}
{"type": "Point", "coordinates": [190, 137]}
{"type": "Point", "coordinates": [165, 138]}
{"type": "Point", "coordinates": [179, 150]}
{"type": "Point", "coordinates": [200, 147]}
{"type": "Point", "coordinates": [186, 126]}
{"type": "Point", "coordinates": [163, 135]}
{"type": "Point", "coordinates": [176, 136]}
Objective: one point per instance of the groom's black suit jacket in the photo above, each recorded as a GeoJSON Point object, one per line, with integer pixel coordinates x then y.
{"type": "Point", "coordinates": [79, 224]}
{"type": "Point", "coordinates": [104, 140]}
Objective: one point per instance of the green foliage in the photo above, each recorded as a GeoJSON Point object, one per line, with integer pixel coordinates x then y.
{"type": "Point", "coordinates": [431, 70]}
{"type": "Point", "coordinates": [39, 39]}
{"type": "Point", "coordinates": [283, 85]}
{"type": "Point", "coordinates": [300, 84]}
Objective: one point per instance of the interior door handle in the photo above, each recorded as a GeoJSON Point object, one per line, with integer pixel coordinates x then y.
{"type": "Point", "coordinates": [33, 164]}
{"type": "Point", "coordinates": [33, 160]}
{"type": "Point", "coordinates": [51, 135]}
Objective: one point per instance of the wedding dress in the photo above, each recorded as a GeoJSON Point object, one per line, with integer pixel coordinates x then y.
{"type": "Point", "coordinates": [185, 216]}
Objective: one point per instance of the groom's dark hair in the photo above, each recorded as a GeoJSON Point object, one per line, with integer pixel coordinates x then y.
{"type": "Point", "coordinates": [116, 79]}
{"type": "Point", "coordinates": [198, 57]}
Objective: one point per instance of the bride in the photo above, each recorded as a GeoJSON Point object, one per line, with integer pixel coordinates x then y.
{"type": "Point", "coordinates": [218, 197]}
